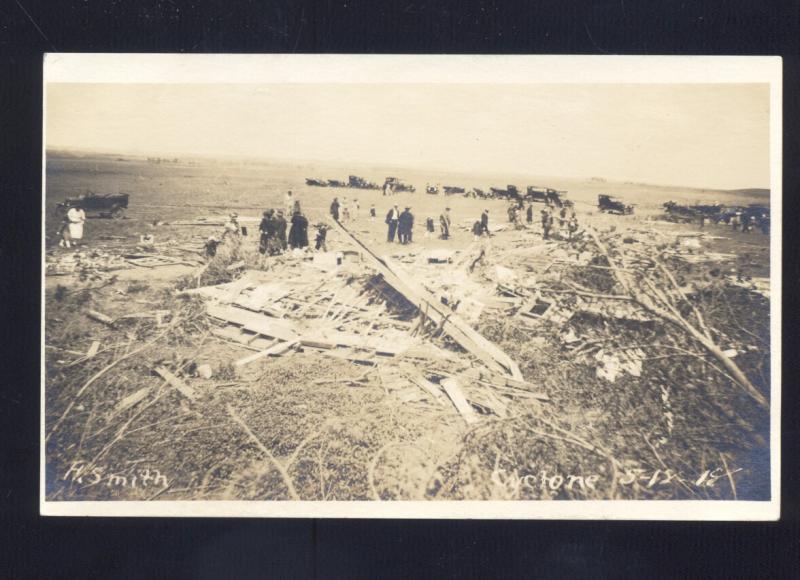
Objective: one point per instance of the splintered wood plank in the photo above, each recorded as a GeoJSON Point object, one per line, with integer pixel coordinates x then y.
{"type": "Point", "coordinates": [231, 332]}
{"type": "Point", "coordinates": [254, 322]}
{"type": "Point", "coordinates": [276, 349]}
{"type": "Point", "coordinates": [179, 385]}
{"type": "Point", "coordinates": [453, 390]}
{"type": "Point", "coordinates": [429, 388]}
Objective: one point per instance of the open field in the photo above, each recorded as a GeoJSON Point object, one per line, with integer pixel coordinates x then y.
{"type": "Point", "coordinates": [311, 426]}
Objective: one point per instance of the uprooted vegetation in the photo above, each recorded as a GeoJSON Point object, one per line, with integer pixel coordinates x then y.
{"type": "Point", "coordinates": [643, 376]}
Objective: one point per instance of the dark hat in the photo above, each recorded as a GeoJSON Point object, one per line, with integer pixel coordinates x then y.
{"type": "Point", "coordinates": [408, 208]}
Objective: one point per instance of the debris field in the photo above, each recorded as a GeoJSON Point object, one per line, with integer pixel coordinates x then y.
{"type": "Point", "coordinates": [630, 364]}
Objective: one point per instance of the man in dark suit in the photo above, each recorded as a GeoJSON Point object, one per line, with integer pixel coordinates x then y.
{"type": "Point", "coordinates": [405, 223]}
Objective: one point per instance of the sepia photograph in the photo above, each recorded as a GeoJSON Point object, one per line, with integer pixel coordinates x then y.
{"type": "Point", "coordinates": [396, 286]}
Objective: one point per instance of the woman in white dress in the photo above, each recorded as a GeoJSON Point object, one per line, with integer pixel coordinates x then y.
{"type": "Point", "coordinates": [76, 218]}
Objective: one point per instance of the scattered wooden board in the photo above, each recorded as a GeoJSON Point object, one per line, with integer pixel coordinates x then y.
{"type": "Point", "coordinates": [453, 390]}
{"type": "Point", "coordinates": [175, 382]}
{"type": "Point", "coordinates": [277, 349]}
{"type": "Point", "coordinates": [93, 349]}
{"type": "Point", "coordinates": [259, 323]}
{"type": "Point", "coordinates": [100, 317]}
{"type": "Point", "coordinates": [428, 387]}
{"type": "Point", "coordinates": [132, 399]}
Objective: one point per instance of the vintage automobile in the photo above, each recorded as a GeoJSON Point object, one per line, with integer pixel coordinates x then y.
{"type": "Point", "coordinates": [398, 185]}
{"type": "Point", "coordinates": [610, 204]}
{"type": "Point", "coordinates": [545, 194]}
{"type": "Point", "coordinates": [452, 190]}
{"type": "Point", "coordinates": [109, 205]}
{"type": "Point", "coordinates": [510, 192]}
{"type": "Point", "coordinates": [316, 182]}
{"type": "Point", "coordinates": [357, 182]}
{"type": "Point", "coordinates": [678, 213]}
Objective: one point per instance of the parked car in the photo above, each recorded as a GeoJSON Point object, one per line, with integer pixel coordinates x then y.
{"type": "Point", "coordinates": [109, 205]}
{"type": "Point", "coordinates": [545, 194]}
{"type": "Point", "coordinates": [610, 204]}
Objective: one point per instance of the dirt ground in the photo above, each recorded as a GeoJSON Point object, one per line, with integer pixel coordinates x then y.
{"type": "Point", "coordinates": [331, 441]}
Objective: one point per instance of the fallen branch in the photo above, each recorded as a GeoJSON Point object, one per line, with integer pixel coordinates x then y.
{"type": "Point", "coordinates": [281, 470]}
{"type": "Point", "coordinates": [678, 320]}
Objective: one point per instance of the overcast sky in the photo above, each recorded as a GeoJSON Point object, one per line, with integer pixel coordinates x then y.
{"type": "Point", "coordinates": [714, 136]}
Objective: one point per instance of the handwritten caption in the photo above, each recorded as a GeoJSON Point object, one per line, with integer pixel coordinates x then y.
{"type": "Point", "coordinates": [82, 473]}
{"type": "Point", "coordinates": [648, 479]}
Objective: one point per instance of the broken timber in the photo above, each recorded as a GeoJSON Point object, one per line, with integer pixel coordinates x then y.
{"type": "Point", "coordinates": [453, 391]}
{"type": "Point", "coordinates": [174, 381]}
{"type": "Point", "coordinates": [276, 349]}
{"type": "Point", "coordinates": [450, 322]}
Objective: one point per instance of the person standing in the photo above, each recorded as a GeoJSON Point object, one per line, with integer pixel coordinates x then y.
{"type": "Point", "coordinates": [267, 229]}
{"type": "Point", "coordinates": [76, 217]}
{"type": "Point", "coordinates": [529, 213]}
{"type": "Point", "coordinates": [429, 228]}
{"type": "Point", "coordinates": [485, 223]}
{"type": "Point", "coordinates": [572, 226]}
{"type": "Point", "coordinates": [546, 221]}
{"type": "Point", "coordinates": [298, 233]}
{"type": "Point", "coordinates": [288, 202]}
{"type": "Point", "coordinates": [335, 208]}
{"type": "Point", "coordinates": [356, 208]}
{"type": "Point", "coordinates": [345, 210]}
{"type": "Point", "coordinates": [280, 231]}
{"type": "Point", "coordinates": [322, 235]}
{"type": "Point", "coordinates": [512, 212]}
{"type": "Point", "coordinates": [372, 213]}
{"type": "Point", "coordinates": [405, 225]}
{"type": "Point", "coordinates": [391, 220]}
{"type": "Point", "coordinates": [444, 223]}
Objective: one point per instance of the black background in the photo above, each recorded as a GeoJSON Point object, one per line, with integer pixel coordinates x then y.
{"type": "Point", "coordinates": [35, 547]}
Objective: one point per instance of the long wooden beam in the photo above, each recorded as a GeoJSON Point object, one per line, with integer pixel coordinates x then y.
{"type": "Point", "coordinates": [453, 325]}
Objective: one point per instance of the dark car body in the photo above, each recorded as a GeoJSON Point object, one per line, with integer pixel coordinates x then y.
{"type": "Point", "coordinates": [109, 205]}
{"type": "Point", "coordinates": [610, 204]}
{"type": "Point", "coordinates": [544, 195]}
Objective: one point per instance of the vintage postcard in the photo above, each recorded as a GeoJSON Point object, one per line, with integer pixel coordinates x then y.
{"type": "Point", "coordinates": [411, 286]}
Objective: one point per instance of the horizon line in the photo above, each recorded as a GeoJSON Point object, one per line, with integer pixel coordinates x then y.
{"type": "Point", "coordinates": [213, 156]}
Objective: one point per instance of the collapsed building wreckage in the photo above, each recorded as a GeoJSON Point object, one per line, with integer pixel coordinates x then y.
{"type": "Point", "coordinates": [605, 304]}
{"type": "Point", "coordinates": [370, 310]}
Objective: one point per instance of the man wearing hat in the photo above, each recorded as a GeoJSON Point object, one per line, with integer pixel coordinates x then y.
{"type": "Point", "coordinates": [405, 226]}
{"type": "Point", "coordinates": [392, 219]}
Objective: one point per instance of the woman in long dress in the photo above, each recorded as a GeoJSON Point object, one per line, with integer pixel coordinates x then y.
{"type": "Point", "coordinates": [76, 217]}
{"type": "Point", "coordinates": [298, 233]}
